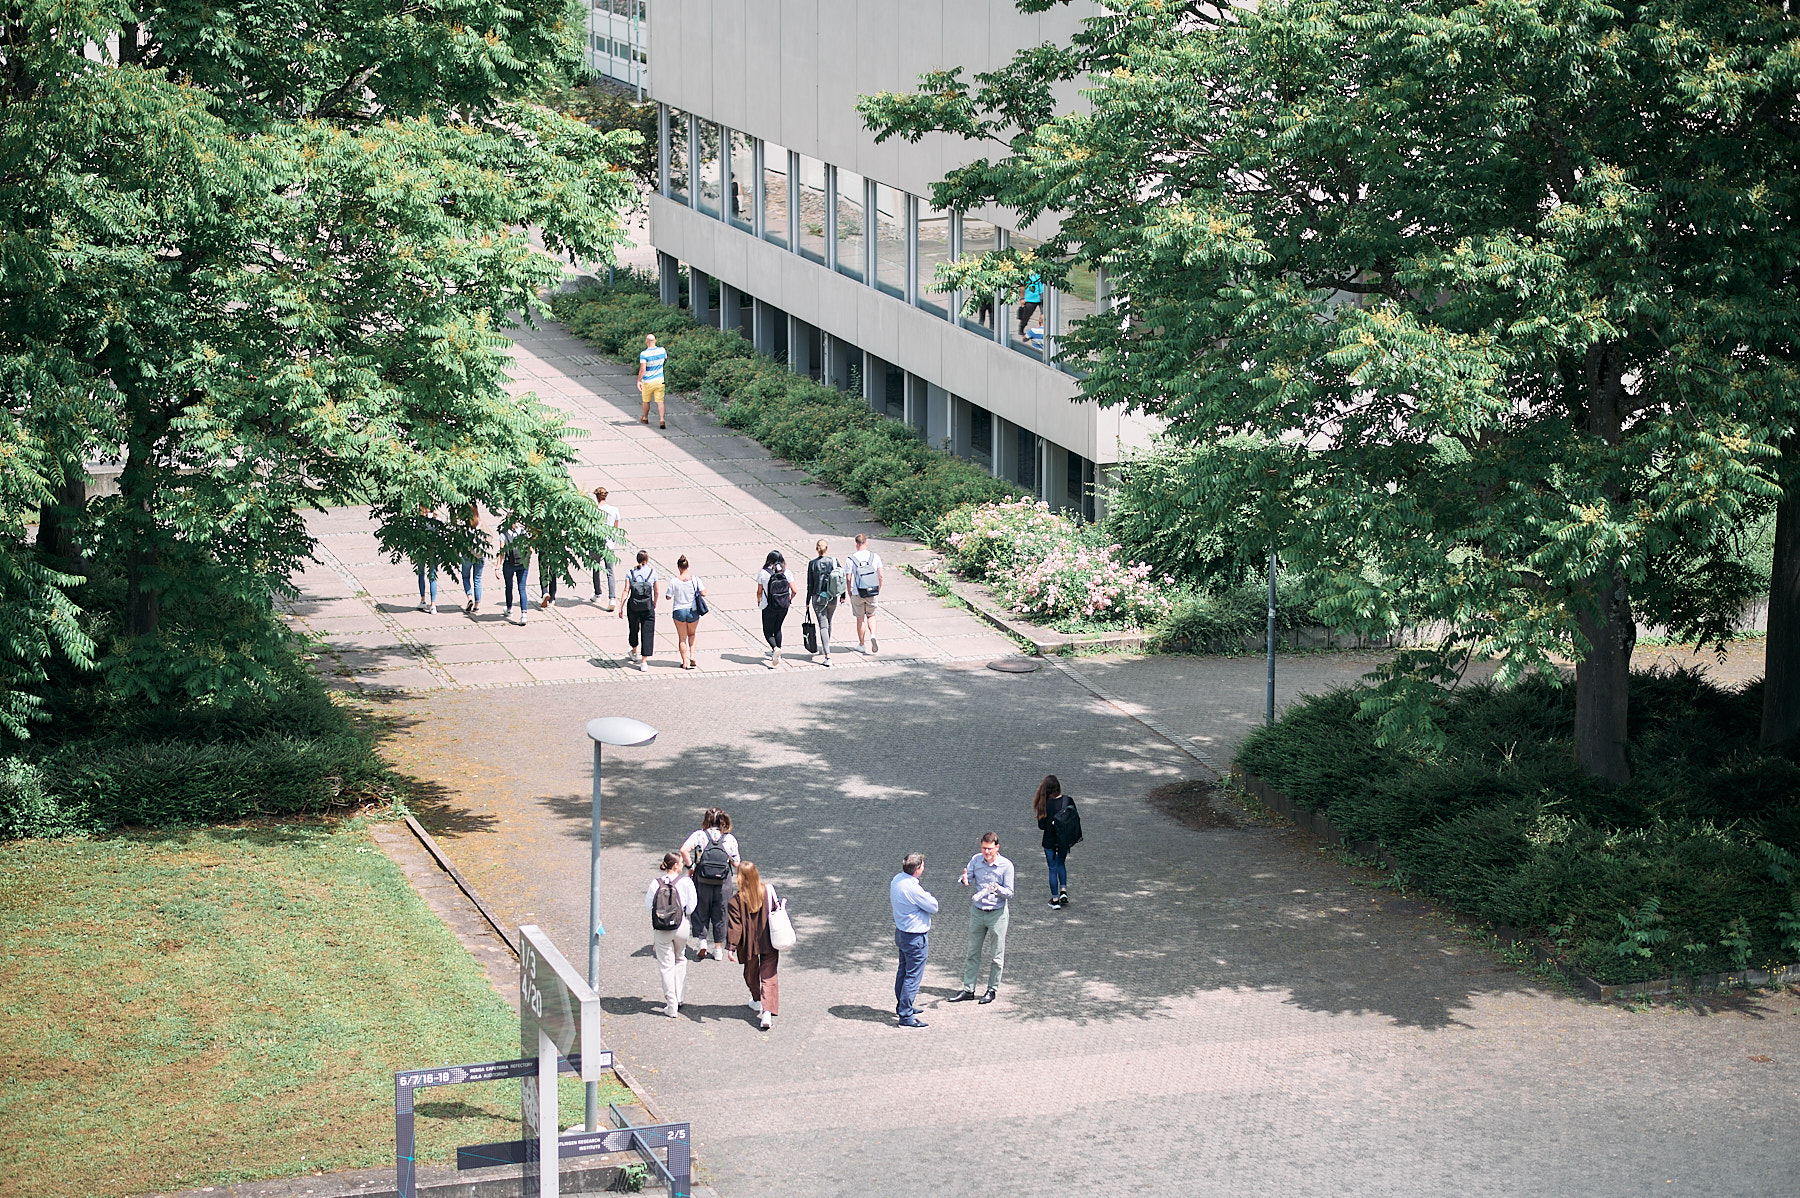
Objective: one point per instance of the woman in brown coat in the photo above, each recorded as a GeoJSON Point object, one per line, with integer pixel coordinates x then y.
{"type": "Point", "coordinates": [747, 940]}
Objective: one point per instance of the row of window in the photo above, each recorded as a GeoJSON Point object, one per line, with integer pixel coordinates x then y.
{"type": "Point", "coordinates": [876, 234]}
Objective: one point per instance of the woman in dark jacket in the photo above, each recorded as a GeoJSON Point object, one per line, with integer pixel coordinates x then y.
{"type": "Point", "coordinates": [747, 940]}
{"type": "Point", "coordinates": [1045, 804]}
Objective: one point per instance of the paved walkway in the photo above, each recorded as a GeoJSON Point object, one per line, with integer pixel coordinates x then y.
{"type": "Point", "coordinates": [696, 489]}
{"type": "Point", "coordinates": [1220, 1011]}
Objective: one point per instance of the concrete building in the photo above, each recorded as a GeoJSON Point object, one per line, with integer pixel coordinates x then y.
{"type": "Point", "coordinates": [618, 40]}
{"type": "Point", "coordinates": [794, 227]}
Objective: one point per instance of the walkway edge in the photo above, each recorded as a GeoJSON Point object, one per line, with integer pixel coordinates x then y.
{"type": "Point", "coordinates": [1042, 643]}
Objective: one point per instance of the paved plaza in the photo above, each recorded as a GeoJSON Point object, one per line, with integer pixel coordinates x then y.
{"type": "Point", "coordinates": [1219, 1011]}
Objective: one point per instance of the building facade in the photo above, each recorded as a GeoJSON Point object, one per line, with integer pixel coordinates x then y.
{"type": "Point", "coordinates": [618, 40]}
{"type": "Point", "coordinates": [794, 227]}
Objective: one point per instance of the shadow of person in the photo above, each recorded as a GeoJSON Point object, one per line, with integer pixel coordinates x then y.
{"type": "Point", "coordinates": [860, 1014]}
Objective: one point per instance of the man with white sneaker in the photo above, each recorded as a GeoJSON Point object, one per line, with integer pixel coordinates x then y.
{"type": "Point", "coordinates": [865, 583]}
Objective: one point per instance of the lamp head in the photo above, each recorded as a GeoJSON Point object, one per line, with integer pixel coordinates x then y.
{"type": "Point", "coordinates": [621, 731]}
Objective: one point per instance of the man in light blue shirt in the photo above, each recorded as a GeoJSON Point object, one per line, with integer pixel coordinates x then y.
{"type": "Point", "coordinates": [913, 909]}
{"type": "Point", "coordinates": [650, 378]}
{"type": "Point", "coordinates": [992, 877]}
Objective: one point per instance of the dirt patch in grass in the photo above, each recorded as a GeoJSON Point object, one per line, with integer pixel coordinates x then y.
{"type": "Point", "coordinates": [1193, 802]}
{"type": "Point", "coordinates": [182, 1009]}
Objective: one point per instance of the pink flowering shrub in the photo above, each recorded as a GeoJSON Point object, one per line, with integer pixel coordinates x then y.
{"type": "Point", "coordinates": [1050, 568]}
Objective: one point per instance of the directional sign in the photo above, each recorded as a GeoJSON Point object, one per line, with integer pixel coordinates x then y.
{"type": "Point", "coordinates": [555, 999]}
{"type": "Point", "coordinates": [573, 1143]}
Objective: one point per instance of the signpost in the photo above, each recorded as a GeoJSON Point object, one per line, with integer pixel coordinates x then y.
{"type": "Point", "coordinates": [559, 1031]}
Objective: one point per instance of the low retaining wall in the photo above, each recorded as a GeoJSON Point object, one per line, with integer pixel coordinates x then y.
{"type": "Point", "coordinates": [1315, 823]}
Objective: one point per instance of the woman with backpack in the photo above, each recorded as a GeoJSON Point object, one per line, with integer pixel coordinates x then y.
{"type": "Point", "coordinates": [639, 611]}
{"type": "Point", "coordinates": [670, 899]}
{"type": "Point", "coordinates": [826, 582]}
{"type": "Point", "coordinates": [749, 942]}
{"type": "Point", "coordinates": [685, 594]}
{"type": "Point", "coordinates": [1056, 815]}
{"type": "Point", "coordinates": [712, 853]}
{"type": "Point", "coordinates": [774, 594]}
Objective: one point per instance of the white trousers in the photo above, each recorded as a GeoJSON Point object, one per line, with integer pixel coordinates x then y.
{"type": "Point", "coordinates": [671, 962]}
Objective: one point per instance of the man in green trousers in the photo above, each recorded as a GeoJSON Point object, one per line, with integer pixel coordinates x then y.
{"type": "Point", "coordinates": [992, 877]}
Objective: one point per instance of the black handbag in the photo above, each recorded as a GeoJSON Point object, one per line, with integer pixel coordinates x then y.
{"type": "Point", "coordinates": [700, 604]}
{"type": "Point", "coordinates": [809, 636]}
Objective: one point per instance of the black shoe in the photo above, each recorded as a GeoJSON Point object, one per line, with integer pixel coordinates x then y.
{"type": "Point", "coordinates": [987, 998]}
{"type": "Point", "coordinates": [1062, 900]}
{"type": "Point", "coordinates": [963, 996]}
{"type": "Point", "coordinates": [914, 1023]}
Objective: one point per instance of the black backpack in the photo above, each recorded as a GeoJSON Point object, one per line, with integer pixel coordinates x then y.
{"type": "Point", "coordinates": [665, 908]}
{"type": "Point", "coordinates": [1065, 821]}
{"type": "Point", "coordinates": [713, 863]}
{"type": "Point", "coordinates": [643, 588]}
{"type": "Point", "coordinates": [779, 591]}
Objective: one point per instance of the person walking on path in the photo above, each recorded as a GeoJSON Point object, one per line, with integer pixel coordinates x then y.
{"type": "Point", "coordinates": [774, 595]}
{"type": "Point", "coordinates": [472, 569]}
{"type": "Point", "coordinates": [610, 515]}
{"type": "Point", "coordinates": [650, 378]}
{"type": "Point", "coordinates": [670, 900]}
{"type": "Point", "coordinates": [865, 583]}
{"type": "Point", "coordinates": [913, 908]}
{"type": "Point", "coordinates": [992, 876]}
{"type": "Point", "coordinates": [826, 582]}
{"type": "Point", "coordinates": [712, 852]}
{"type": "Point", "coordinates": [1047, 804]}
{"type": "Point", "coordinates": [684, 593]}
{"type": "Point", "coordinates": [515, 564]}
{"type": "Point", "coordinates": [546, 583]}
{"type": "Point", "coordinates": [748, 941]}
{"type": "Point", "coordinates": [639, 612]}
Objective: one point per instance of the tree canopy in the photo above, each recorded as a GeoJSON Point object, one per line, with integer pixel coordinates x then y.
{"type": "Point", "coordinates": [1482, 314]}
{"type": "Point", "coordinates": [260, 256]}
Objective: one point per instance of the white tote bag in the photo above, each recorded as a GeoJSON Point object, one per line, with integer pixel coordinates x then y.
{"type": "Point", "coordinates": [781, 928]}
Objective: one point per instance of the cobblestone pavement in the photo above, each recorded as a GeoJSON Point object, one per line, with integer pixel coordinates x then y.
{"type": "Point", "coordinates": [695, 488]}
{"type": "Point", "coordinates": [1220, 1011]}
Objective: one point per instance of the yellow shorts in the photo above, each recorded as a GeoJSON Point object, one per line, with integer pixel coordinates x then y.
{"type": "Point", "coordinates": [653, 392]}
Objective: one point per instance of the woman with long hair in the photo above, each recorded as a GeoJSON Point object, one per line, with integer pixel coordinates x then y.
{"type": "Point", "coordinates": [683, 593]}
{"type": "Point", "coordinates": [670, 899]}
{"type": "Point", "coordinates": [711, 877]}
{"type": "Point", "coordinates": [1044, 805]}
{"type": "Point", "coordinates": [748, 941]}
{"type": "Point", "coordinates": [774, 595]}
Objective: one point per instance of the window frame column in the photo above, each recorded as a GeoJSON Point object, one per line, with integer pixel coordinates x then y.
{"type": "Point", "coordinates": [662, 150]}
{"type": "Point", "coordinates": [759, 222]}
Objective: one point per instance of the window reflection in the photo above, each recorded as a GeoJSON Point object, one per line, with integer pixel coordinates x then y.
{"type": "Point", "coordinates": [678, 155]}
{"type": "Point", "coordinates": [743, 182]}
{"type": "Point", "coordinates": [852, 239]}
{"type": "Point", "coordinates": [889, 221]}
{"type": "Point", "coordinates": [980, 237]}
{"type": "Point", "coordinates": [934, 251]}
{"type": "Point", "coordinates": [809, 200]}
{"type": "Point", "coordinates": [710, 182]}
{"type": "Point", "coordinates": [1028, 330]}
{"type": "Point", "coordinates": [775, 194]}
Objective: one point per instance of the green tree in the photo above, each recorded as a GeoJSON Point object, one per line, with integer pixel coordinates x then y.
{"type": "Point", "coordinates": [260, 255]}
{"type": "Point", "coordinates": [1477, 312]}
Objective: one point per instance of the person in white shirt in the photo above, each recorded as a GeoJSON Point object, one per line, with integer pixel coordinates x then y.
{"type": "Point", "coordinates": [865, 584]}
{"type": "Point", "coordinates": [610, 514]}
{"type": "Point", "coordinates": [671, 943]}
{"type": "Point", "coordinates": [639, 609]}
{"type": "Point", "coordinates": [712, 889]}
{"type": "Point", "coordinates": [683, 593]}
{"type": "Point", "coordinates": [775, 592]}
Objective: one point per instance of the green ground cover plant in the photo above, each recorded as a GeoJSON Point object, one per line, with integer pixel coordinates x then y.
{"type": "Point", "coordinates": [216, 1005]}
{"type": "Point", "coordinates": [868, 457]}
{"type": "Point", "coordinates": [1687, 869]}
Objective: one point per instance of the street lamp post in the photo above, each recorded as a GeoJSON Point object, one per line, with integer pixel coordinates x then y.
{"type": "Point", "coordinates": [621, 732]}
{"type": "Point", "coordinates": [1269, 714]}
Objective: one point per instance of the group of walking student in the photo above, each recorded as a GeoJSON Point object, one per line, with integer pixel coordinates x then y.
{"type": "Point", "coordinates": [707, 897]}
{"type": "Point", "coordinates": [515, 568]}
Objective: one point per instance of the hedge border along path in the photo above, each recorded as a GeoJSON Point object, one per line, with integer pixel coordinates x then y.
{"type": "Point", "coordinates": [870, 458]}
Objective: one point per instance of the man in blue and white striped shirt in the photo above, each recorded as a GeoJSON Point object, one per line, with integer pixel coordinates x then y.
{"type": "Point", "coordinates": [650, 378]}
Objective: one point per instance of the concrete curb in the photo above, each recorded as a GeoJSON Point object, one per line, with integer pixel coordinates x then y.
{"type": "Point", "coordinates": [1043, 642]}
{"type": "Point", "coordinates": [580, 1175]}
{"type": "Point", "coordinates": [1316, 824]}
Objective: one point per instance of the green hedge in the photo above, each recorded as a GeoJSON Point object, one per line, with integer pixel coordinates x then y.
{"type": "Point", "coordinates": [874, 460]}
{"type": "Point", "coordinates": [1502, 825]}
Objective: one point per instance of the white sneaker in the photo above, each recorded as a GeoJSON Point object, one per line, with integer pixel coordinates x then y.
{"type": "Point", "coordinates": [643, 664]}
{"type": "Point", "coordinates": [768, 1021]}
{"type": "Point", "coordinates": [433, 609]}
{"type": "Point", "coordinates": [874, 645]}
{"type": "Point", "coordinates": [701, 950]}
{"type": "Point", "coordinates": [754, 1004]}
{"type": "Point", "coordinates": [673, 1010]}
{"type": "Point", "coordinates": [423, 605]}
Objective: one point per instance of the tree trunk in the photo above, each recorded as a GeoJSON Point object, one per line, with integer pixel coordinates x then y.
{"type": "Point", "coordinates": [57, 523]}
{"type": "Point", "coordinates": [1603, 677]}
{"type": "Point", "coordinates": [143, 599]}
{"type": "Point", "coordinates": [1603, 681]}
{"type": "Point", "coordinates": [1781, 652]}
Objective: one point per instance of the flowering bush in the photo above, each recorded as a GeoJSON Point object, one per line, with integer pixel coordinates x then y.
{"type": "Point", "coordinates": [1051, 569]}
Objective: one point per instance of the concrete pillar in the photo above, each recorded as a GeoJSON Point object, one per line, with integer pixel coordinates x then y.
{"type": "Point", "coordinates": [961, 427]}
{"type": "Point", "coordinates": [668, 278]}
{"type": "Point", "coordinates": [762, 318]}
{"type": "Point", "coordinates": [1006, 448]}
{"type": "Point", "coordinates": [796, 346]}
{"type": "Point", "coordinates": [699, 297]}
{"type": "Point", "coordinates": [874, 382]}
{"type": "Point", "coordinates": [731, 308]}
{"type": "Point", "coordinates": [940, 424]}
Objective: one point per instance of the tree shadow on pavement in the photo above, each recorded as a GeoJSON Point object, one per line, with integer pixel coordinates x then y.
{"type": "Point", "coordinates": [837, 777]}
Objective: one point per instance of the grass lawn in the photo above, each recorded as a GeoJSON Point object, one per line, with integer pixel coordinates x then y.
{"type": "Point", "coordinates": [189, 1008]}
